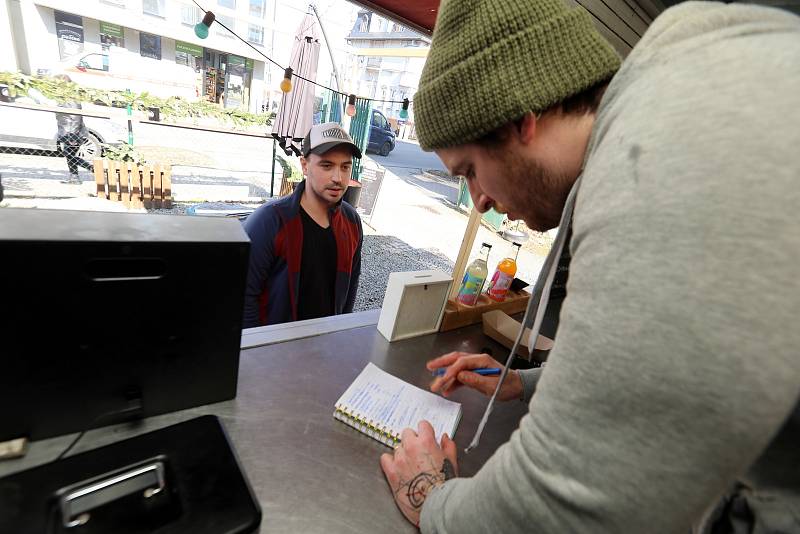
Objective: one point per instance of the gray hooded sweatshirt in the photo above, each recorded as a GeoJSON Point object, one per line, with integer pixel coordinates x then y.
{"type": "Point", "coordinates": [676, 369]}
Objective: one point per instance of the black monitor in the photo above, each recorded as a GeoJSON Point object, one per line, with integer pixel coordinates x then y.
{"type": "Point", "coordinates": [107, 316]}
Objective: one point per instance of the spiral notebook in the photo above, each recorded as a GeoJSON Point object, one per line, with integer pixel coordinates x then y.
{"type": "Point", "coordinates": [381, 406]}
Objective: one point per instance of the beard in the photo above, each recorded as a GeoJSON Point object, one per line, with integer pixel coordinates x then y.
{"type": "Point", "coordinates": [533, 193]}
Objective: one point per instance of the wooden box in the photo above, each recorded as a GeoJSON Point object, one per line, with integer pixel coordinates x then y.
{"type": "Point", "coordinates": [413, 304]}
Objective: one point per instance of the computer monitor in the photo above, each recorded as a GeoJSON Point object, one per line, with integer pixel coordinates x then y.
{"type": "Point", "coordinates": [105, 316]}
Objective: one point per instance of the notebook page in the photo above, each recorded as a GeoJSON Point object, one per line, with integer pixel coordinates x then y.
{"type": "Point", "coordinates": [383, 399]}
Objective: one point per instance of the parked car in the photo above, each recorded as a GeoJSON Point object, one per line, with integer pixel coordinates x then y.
{"type": "Point", "coordinates": [381, 137]}
{"type": "Point", "coordinates": [38, 130]}
{"type": "Point", "coordinates": [118, 70]}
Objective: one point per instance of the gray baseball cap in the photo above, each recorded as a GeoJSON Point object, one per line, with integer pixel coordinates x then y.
{"type": "Point", "coordinates": [323, 137]}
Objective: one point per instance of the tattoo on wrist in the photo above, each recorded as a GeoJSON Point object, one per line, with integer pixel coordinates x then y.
{"type": "Point", "coordinates": [419, 487]}
{"type": "Point", "coordinates": [448, 471]}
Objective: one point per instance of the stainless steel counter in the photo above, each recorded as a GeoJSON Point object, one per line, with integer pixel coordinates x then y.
{"type": "Point", "coordinates": [310, 472]}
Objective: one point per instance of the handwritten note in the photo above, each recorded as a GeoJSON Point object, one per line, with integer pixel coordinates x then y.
{"type": "Point", "coordinates": [384, 400]}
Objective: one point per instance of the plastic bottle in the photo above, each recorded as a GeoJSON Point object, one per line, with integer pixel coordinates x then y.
{"type": "Point", "coordinates": [503, 276]}
{"type": "Point", "coordinates": [472, 284]}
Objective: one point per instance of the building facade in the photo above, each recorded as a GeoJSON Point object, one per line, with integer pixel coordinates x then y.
{"type": "Point", "coordinates": [388, 61]}
{"type": "Point", "coordinates": [145, 45]}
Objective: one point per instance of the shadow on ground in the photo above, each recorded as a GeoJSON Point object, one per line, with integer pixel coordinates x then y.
{"type": "Point", "coordinates": [439, 186]}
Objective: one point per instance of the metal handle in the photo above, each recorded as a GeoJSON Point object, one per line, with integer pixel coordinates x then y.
{"type": "Point", "coordinates": [77, 503]}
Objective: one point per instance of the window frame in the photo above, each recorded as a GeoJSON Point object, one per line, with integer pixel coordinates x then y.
{"type": "Point", "coordinates": [162, 8]}
{"type": "Point", "coordinates": [263, 9]}
{"type": "Point", "coordinates": [250, 27]}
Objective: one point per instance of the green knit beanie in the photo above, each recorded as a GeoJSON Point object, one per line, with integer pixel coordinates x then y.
{"type": "Point", "coordinates": [492, 61]}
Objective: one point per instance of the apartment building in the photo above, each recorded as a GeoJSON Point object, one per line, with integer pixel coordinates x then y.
{"type": "Point", "coordinates": [146, 45]}
{"type": "Point", "coordinates": [388, 61]}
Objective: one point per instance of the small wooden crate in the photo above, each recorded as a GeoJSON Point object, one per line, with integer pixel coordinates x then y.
{"type": "Point", "coordinates": [457, 315]}
{"type": "Point", "coordinates": [413, 304]}
{"type": "Point", "coordinates": [136, 186]}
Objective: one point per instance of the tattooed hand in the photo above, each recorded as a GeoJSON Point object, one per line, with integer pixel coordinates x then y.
{"type": "Point", "coordinates": [418, 465]}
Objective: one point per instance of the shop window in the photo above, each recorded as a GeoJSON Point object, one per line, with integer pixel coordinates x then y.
{"type": "Point", "coordinates": [255, 34]}
{"type": "Point", "coordinates": [150, 45]}
{"type": "Point", "coordinates": [227, 3]}
{"type": "Point", "coordinates": [69, 30]}
{"type": "Point", "coordinates": [153, 7]}
{"type": "Point", "coordinates": [111, 35]}
{"type": "Point", "coordinates": [182, 58]}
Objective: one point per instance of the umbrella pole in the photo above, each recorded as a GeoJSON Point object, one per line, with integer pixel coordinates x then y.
{"type": "Point", "coordinates": [328, 46]}
{"type": "Point", "coordinates": [272, 176]}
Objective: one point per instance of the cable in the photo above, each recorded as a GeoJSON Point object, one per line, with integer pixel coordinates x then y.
{"type": "Point", "coordinates": [132, 410]}
{"type": "Point", "coordinates": [259, 52]}
{"type": "Point", "coordinates": [74, 442]}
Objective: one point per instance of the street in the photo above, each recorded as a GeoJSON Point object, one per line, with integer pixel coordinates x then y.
{"type": "Point", "coordinates": [408, 162]}
{"type": "Point", "coordinates": [407, 154]}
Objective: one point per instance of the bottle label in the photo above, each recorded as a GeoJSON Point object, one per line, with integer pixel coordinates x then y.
{"type": "Point", "coordinates": [470, 289]}
{"type": "Point", "coordinates": [499, 285]}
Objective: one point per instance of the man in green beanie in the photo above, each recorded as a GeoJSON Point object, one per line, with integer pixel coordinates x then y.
{"type": "Point", "coordinates": [673, 180]}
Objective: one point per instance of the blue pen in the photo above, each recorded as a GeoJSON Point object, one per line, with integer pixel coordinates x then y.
{"type": "Point", "coordinates": [483, 371]}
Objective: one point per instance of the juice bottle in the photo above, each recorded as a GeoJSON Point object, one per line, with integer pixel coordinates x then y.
{"type": "Point", "coordinates": [503, 276]}
{"type": "Point", "coordinates": [472, 284]}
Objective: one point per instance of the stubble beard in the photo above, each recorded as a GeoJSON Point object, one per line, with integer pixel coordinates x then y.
{"type": "Point", "coordinates": [537, 195]}
{"type": "Point", "coordinates": [322, 197]}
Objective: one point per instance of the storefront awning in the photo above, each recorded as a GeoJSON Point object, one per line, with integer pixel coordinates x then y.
{"type": "Point", "coordinates": [419, 15]}
{"type": "Point", "coordinates": [621, 22]}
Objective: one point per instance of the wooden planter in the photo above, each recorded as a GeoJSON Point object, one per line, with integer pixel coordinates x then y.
{"type": "Point", "coordinates": [136, 186]}
{"type": "Point", "coordinates": [287, 187]}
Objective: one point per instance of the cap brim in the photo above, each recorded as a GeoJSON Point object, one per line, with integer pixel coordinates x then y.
{"type": "Point", "coordinates": [324, 147]}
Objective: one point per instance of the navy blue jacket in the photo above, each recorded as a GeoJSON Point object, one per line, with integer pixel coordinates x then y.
{"type": "Point", "coordinates": [276, 233]}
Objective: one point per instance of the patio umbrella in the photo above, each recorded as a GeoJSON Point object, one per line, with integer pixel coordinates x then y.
{"type": "Point", "coordinates": [296, 112]}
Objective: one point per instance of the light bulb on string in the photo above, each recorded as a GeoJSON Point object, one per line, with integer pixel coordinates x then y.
{"type": "Point", "coordinates": [201, 28]}
{"type": "Point", "coordinates": [404, 110]}
{"type": "Point", "coordinates": [286, 83]}
{"type": "Point", "coordinates": [350, 110]}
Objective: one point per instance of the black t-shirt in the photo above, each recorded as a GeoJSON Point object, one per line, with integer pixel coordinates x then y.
{"type": "Point", "coordinates": [317, 270]}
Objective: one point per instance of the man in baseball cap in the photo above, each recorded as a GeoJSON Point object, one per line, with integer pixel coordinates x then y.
{"type": "Point", "coordinates": [305, 256]}
{"type": "Point", "coordinates": [323, 137]}
{"type": "Point", "coordinates": [673, 179]}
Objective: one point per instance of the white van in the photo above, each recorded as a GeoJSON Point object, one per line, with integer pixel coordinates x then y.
{"type": "Point", "coordinates": [118, 70]}
{"type": "Point", "coordinates": [31, 129]}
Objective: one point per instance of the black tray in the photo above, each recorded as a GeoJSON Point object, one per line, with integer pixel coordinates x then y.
{"type": "Point", "coordinates": [182, 478]}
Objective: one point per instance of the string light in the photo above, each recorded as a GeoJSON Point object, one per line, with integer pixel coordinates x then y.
{"type": "Point", "coordinates": [350, 110]}
{"type": "Point", "coordinates": [286, 83]}
{"type": "Point", "coordinates": [201, 28]}
{"type": "Point", "coordinates": [404, 110]}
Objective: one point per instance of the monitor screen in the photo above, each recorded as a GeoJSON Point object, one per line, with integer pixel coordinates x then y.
{"type": "Point", "coordinates": [110, 315]}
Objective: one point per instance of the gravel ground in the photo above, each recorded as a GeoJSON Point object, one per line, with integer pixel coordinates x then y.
{"type": "Point", "coordinates": [382, 255]}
